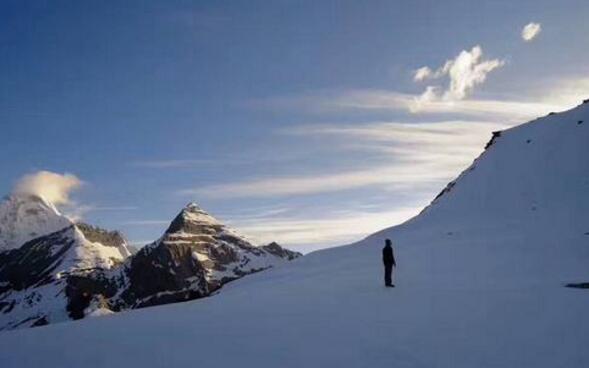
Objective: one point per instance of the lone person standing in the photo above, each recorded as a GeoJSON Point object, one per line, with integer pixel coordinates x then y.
{"type": "Point", "coordinates": [388, 258]}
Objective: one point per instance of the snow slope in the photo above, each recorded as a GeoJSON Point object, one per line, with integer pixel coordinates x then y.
{"type": "Point", "coordinates": [479, 284]}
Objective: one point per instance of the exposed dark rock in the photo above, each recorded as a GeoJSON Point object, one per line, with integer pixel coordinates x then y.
{"type": "Point", "coordinates": [494, 137]}
{"type": "Point", "coordinates": [40, 322]}
{"type": "Point", "coordinates": [81, 289]}
{"type": "Point", "coordinates": [277, 250]}
{"type": "Point", "coordinates": [165, 268]}
{"type": "Point", "coordinates": [98, 235]}
{"type": "Point", "coordinates": [579, 285]}
{"type": "Point", "coordinates": [446, 190]}
{"type": "Point", "coordinates": [34, 263]}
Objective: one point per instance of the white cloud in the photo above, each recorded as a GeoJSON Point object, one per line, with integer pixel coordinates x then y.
{"type": "Point", "coordinates": [50, 186]}
{"type": "Point", "coordinates": [465, 72]}
{"type": "Point", "coordinates": [422, 74]}
{"type": "Point", "coordinates": [531, 31]}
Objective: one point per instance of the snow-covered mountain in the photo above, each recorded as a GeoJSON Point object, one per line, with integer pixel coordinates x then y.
{"type": "Point", "coordinates": [42, 250]}
{"type": "Point", "coordinates": [480, 283]}
{"type": "Point", "coordinates": [34, 278]}
{"type": "Point", "coordinates": [25, 217]}
{"type": "Point", "coordinates": [75, 270]}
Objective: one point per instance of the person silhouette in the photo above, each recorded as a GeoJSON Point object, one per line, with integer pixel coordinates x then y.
{"type": "Point", "coordinates": [388, 258]}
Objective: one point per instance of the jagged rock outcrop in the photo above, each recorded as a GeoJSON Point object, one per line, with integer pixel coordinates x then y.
{"type": "Point", "coordinates": [277, 250]}
{"type": "Point", "coordinates": [107, 238]}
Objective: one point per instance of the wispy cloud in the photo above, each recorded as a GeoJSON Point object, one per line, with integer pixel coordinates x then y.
{"type": "Point", "coordinates": [113, 208]}
{"type": "Point", "coordinates": [413, 155]}
{"type": "Point", "coordinates": [539, 101]}
{"type": "Point", "coordinates": [489, 109]}
{"type": "Point", "coordinates": [317, 231]}
{"type": "Point", "coordinates": [146, 222]}
{"type": "Point", "coordinates": [531, 31]}
{"type": "Point", "coordinates": [169, 164]}
{"type": "Point", "coordinates": [78, 211]}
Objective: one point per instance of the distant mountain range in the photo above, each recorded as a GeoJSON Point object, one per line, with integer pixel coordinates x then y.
{"type": "Point", "coordinates": [53, 269]}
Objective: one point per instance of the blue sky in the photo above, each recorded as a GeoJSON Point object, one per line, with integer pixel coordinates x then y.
{"type": "Point", "coordinates": [295, 121]}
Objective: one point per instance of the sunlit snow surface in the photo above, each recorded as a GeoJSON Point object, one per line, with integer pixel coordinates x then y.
{"type": "Point", "coordinates": [26, 217]}
{"type": "Point", "coordinates": [479, 284]}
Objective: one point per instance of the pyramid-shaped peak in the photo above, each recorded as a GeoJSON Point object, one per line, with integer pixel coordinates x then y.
{"type": "Point", "coordinates": [192, 214]}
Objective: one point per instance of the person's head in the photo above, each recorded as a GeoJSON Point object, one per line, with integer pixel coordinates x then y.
{"type": "Point", "coordinates": [388, 242]}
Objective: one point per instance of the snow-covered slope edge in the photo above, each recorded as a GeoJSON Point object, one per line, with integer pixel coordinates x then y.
{"type": "Point", "coordinates": [479, 284]}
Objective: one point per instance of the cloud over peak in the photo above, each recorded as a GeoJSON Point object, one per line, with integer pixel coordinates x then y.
{"type": "Point", "coordinates": [531, 31]}
{"type": "Point", "coordinates": [50, 186]}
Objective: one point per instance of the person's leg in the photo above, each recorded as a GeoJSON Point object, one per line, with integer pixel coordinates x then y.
{"type": "Point", "coordinates": [387, 274]}
{"type": "Point", "coordinates": [392, 272]}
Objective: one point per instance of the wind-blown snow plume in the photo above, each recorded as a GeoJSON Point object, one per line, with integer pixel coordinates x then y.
{"type": "Point", "coordinates": [530, 31]}
{"type": "Point", "coordinates": [50, 186]}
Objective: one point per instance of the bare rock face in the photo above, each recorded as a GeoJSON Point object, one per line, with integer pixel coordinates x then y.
{"type": "Point", "coordinates": [107, 238]}
{"type": "Point", "coordinates": [277, 250]}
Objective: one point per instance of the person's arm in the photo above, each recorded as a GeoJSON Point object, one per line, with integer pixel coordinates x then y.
{"type": "Point", "coordinates": [394, 262]}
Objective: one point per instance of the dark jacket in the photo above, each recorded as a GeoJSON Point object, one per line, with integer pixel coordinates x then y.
{"type": "Point", "coordinates": [387, 256]}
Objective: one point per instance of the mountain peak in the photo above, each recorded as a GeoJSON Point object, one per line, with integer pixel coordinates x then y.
{"type": "Point", "coordinates": [192, 206]}
{"type": "Point", "coordinates": [190, 216]}
{"type": "Point", "coordinates": [25, 217]}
